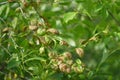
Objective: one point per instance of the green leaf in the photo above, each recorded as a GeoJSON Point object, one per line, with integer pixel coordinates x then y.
{"type": "Point", "coordinates": [69, 16]}
{"type": "Point", "coordinates": [36, 58]}
{"type": "Point", "coordinates": [7, 11]}
{"type": "Point", "coordinates": [2, 8]}
{"type": "Point", "coordinates": [14, 22]}
{"type": "Point", "coordinates": [13, 63]}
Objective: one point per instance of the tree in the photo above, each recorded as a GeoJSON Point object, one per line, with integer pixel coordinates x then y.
{"type": "Point", "coordinates": [59, 39]}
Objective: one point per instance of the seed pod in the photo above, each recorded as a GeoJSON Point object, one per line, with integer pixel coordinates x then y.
{"type": "Point", "coordinates": [52, 55]}
{"type": "Point", "coordinates": [68, 70]}
{"type": "Point", "coordinates": [6, 30]}
{"type": "Point", "coordinates": [42, 40]}
{"type": "Point", "coordinates": [42, 50]}
{"type": "Point", "coordinates": [79, 69]}
{"type": "Point", "coordinates": [41, 32]}
{"type": "Point", "coordinates": [54, 66]}
{"type": "Point", "coordinates": [53, 31]}
{"type": "Point", "coordinates": [60, 58]}
{"type": "Point", "coordinates": [80, 52]}
{"type": "Point", "coordinates": [33, 28]}
{"type": "Point", "coordinates": [15, 76]}
{"type": "Point", "coordinates": [67, 55]}
{"type": "Point", "coordinates": [69, 62]}
{"type": "Point", "coordinates": [62, 67]}
{"type": "Point", "coordinates": [63, 43]}
{"type": "Point", "coordinates": [59, 62]}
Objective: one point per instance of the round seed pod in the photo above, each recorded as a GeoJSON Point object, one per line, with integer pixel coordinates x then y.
{"type": "Point", "coordinates": [78, 69]}
{"type": "Point", "coordinates": [68, 70]}
{"type": "Point", "coordinates": [52, 55]}
{"type": "Point", "coordinates": [67, 55]}
{"type": "Point", "coordinates": [63, 67]}
{"type": "Point", "coordinates": [41, 32]}
{"type": "Point", "coordinates": [42, 50]}
{"type": "Point", "coordinates": [60, 58]}
{"type": "Point", "coordinates": [69, 62]}
{"type": "Point", "coordinates": [42, 40]}
{"type": "Point", "coordinates": [63, 43]}
{"type": "Point", "coordinates": [80, 52]}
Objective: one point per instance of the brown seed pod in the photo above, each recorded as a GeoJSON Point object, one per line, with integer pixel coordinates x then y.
{"type": "Point", "coordinates": [68, 70]}
{"type": "Point", "coordinates": [42, 40]}
{"type": "Point", "coordinates": [63, 67]}
{"type": "Point", "coordinates": [60, 58]}
{"type": "Point", "coordinates": [6, 30]}
{"type": "Point", "coordinates": [53, 31]}
{"type": "Point", "coordinates": [52, 55]}
{"type": "Point", "coordinates": [80, 52]}
{"type": "Point", "coordinates": [33, 28]}
{"type": "Point", "coordinates": [67, 55]}
{"type": "Point", "coordinates": [63, 43]}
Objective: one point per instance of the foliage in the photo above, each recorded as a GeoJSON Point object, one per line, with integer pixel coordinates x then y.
{"type": "Point", "coordinates": [59, 39]}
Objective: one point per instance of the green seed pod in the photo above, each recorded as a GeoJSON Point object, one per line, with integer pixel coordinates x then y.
{"type": "Point", "coordinates": [42, 50]}
{"type": "Point", "coordinates": [41, 32]}
{"type": "Point", "coordinates": [69, 62]}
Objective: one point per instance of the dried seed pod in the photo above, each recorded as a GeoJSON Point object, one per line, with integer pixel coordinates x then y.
{"type": "Point", "coordinates": [68, 70]}
{"type": "Point", "coordinates": [67, 55]}
{"type": "Point", "coordinates": [60, 58]}
{"type": "Point", "coordinates": [69, 62]}
{"type": "Point", "coordinates": [42, 40]}
{"type": "Point", "coordinates": [52, 55]}
{"type": "Point", "coordinates": [80, 52]}
{"type": "Point", "coordinates": [63, 67]}
{"type": "Point", "coordinates": [40, 24]}
{"type": "Point", "coordinates": [6, 30]}
{"type": "Point", "coordinates": [53, 31]}
{"type": "Point", "coordinates": [59, 62]}
{"type": "Point", "coordinates": [33, 28]}
{"type": "Point", "coordinates": [63, 43]}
